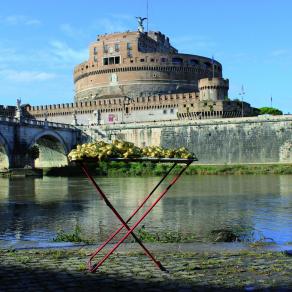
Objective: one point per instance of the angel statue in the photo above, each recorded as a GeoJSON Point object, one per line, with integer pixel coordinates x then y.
{"type": "Point", "coordinates": [140, 23]}
{"type": "Point", "coordinates": [18, 103]}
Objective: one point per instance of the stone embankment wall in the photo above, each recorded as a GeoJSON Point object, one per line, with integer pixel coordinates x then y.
{"type": "Point", "coordinates": [238, 140]}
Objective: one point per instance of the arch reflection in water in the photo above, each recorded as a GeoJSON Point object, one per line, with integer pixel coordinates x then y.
{"type": "Point", "coordinates": [4, 155]}
{"type": "Point", "coordinates": [4, 189]}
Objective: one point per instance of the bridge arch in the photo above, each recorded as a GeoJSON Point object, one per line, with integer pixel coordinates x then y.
{"type": "Point", "coordinates": [52, 150]}
{"type": "Point", "coordinates": [4, 153]}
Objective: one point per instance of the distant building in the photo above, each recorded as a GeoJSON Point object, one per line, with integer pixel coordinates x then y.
{"type": "Point", "coordinates": [139, 76]}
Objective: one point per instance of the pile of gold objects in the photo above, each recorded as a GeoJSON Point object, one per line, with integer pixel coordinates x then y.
{"type": "Point", "coordinates": [122, 149]}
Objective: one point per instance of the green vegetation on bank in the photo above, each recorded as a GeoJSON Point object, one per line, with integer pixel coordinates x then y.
{"type": "Point", "coordinates": [75, 236]}
{"type": "Point", "coordinates": [113, 169]}
{"type": "Point", "coordinates": [270, 111]}
{"type": "Point", "coordinates": [234, 233]}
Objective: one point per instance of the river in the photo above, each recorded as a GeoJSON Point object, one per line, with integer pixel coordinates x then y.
{"type": "Point", "coordinates": [34, 209]}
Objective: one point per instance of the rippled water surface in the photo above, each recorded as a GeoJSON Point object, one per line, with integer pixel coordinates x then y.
{"type": "Point", "coordinates": [33, 209]}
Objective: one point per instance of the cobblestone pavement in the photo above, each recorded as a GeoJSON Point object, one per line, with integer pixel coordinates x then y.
{"type": "Point", "coordinates": [65, 270]}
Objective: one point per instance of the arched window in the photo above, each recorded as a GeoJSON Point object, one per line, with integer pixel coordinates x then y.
{"type": "Point", "coordinates": [177, 61]}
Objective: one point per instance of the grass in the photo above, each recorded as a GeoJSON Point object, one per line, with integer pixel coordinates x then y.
{"type": "Point", "coordinates": [165, 236]}
{"type": "Point", "coordinates": [74, 236]}
{"type": "Point", "coordinates": [226, 234]}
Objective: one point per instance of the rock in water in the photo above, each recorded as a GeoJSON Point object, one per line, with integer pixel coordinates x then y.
{"type": "Point", "coordinates": [223, 235]}
{"type": "Point", "coordinates": [288, 253]}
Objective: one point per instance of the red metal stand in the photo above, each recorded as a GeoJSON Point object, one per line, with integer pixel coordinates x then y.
{"type": "Point", "coordinates": [94, 267]}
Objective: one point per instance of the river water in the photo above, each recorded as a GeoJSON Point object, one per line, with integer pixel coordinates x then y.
{"type": "Point", "coordinates": [34, 209]}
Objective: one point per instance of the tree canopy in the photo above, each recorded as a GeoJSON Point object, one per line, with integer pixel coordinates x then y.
{"type": "Point", "coordinates": [270, 111]}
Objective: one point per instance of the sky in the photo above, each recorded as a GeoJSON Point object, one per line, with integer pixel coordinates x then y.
{"type": "Point", "coordinates": [42, 41]}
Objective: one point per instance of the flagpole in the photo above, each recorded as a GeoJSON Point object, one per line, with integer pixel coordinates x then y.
{"type": "Point", "coordinates": [242, 93]}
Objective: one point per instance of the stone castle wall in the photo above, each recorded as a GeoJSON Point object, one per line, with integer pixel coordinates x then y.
{"type": "Point", "coordinates": [237, 140]}
{"type": "Point", "coordinates": [114, 110]}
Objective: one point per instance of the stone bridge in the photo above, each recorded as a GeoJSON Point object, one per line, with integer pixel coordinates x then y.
{"type": "Point", "coordinates": [33, 143]}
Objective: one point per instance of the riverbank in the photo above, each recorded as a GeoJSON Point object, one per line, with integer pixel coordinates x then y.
{"type": "Point", "coordinates": [119, 169]}
{"type": "Point", "coordinates": [114, 169]}
{"type": "Point", "coordinates": [65, 269]}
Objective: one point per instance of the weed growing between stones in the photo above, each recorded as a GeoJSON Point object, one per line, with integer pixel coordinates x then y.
{"type": "Point", "coordinates": [165, 236]}
{"type": "Point", "coordinates": [74, 236]}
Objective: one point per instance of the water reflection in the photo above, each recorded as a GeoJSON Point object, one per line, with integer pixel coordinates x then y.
{"type": "Point", "coordinates": [34, 209]}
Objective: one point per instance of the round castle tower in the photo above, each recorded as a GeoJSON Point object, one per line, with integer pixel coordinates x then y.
{"type": "Point", "coordinates": [213, 88]}
{"type": "Point", "coordinates": [139, 64]}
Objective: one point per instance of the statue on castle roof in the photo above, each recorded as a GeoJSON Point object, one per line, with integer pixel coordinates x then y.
{"type": "Point", "coordinates": [18, 111]}
{"type": "Point", "coordinates": [18, 103]}
{"type": "Point", "coordinates": [140, 23]}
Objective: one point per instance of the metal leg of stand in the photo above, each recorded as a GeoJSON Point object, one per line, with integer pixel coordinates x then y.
{"type": "Point", "coordinates": [93, 254]}
{"type": "Point", "coordinates": [95, 267]}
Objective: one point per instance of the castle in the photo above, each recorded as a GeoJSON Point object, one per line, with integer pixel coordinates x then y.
{"type": "Point", "coordinates": [139, 76]}
{"type": "Point", "coordinates": [137, 87]}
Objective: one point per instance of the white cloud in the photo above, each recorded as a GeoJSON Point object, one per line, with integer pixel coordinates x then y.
{"type": "Point", "coordinates": [63, 53]}
{"type": "Point", "coordinates": [26, 76]}
{"type": "Point", "coordinates": [110, 25]}
{"type": "Point", "coordinates": [187, 43]}
{"type": "Point", "coordinates": [279, 52]}
{"type": "Point", "coordinates": [15, 20]}
{"type": "Point", "coordinates": [8, 55]}
{"type": "Point", "coordinates": [71, 31]}
{"type": "Point", "coordinates": [126, 17]}
{"type": "Point", "coordinates": [33, 22]}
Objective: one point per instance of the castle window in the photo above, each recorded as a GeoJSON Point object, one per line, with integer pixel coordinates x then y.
{"type": "Point", "coordinates": [177, 61]}
{"type": "Point", "coordinates": [194, 62]}
{"type": "Point", "coordinates": [105, 61]}
{"type": "Point", "coordinates": [111, 60]}
{"type": "Point", "coordinates": [95, 51]}
{"type": "Point", "coordinates": [105, 49]}
{"type": "Point", "coordinates": [171, 110]}
{"type": "Point", "coordinates": [163, 59]}
{"type": "Point", "coordinates": [95, 59]}
{"type": "Point", "coordinates": [142, 60]}
{"type": "Point", "coordinates": [152, 60]}
{"type": "Point", "coordinates": [129, 46]}
{"type": "Point", "coordinates": [117, 47]}
{"type": "Point", "coordinates": [208, 64]}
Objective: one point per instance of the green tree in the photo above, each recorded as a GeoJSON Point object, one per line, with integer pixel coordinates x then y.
{"type": "Point", "coordinates": [270, 111]}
